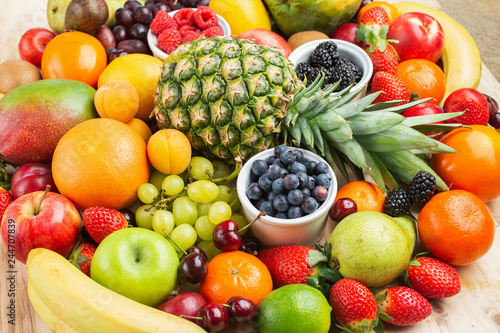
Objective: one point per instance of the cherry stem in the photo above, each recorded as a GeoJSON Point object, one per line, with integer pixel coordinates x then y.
{"type": "Point", "coordinates": [255, 220]}
{"type": "Point", "coordinates": [37, 210]}
{"type": "Point", "coordinates": [191, 317]}
{"type": "Point", "coordinates": [170, 238]}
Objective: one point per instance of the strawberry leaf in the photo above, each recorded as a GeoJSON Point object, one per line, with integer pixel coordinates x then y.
{"type": "Point", "coordinates": [330, 275]}
{"type": "Point", "coordinates": [313, 281]}
{"type": "Point", "coordinates": [379, 327]}
{"type": "Point", "coordinates": [344, 329]}
{"type": "Point", "coordinates": [384, 316]}
{"type": "Point", "coordinates": [315, 258]}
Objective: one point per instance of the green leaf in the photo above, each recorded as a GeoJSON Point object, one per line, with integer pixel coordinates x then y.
{"type": "Point", "coordinates": [313, 281]}
{"type": "Point", "coordinates": [330, 275]}
{"type": "Point", "coordinates": [315, 258]}
{"type": "Point", "coordinates": [379, 328]}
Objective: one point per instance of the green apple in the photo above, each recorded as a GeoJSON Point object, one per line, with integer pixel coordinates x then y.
{"type": "Point", "coordinates": [137, 263]}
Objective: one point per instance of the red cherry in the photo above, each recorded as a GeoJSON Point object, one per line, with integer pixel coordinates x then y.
{"type": "Point", "coordinates": [342, 208]}
{"type": "Point", "coordinates": [226, 237]}
{"type": "Point", "coordinates": [212, 317]}
{"type": "Point", "coordinates": [241, 309]}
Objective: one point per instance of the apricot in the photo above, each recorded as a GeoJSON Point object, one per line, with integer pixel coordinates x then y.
{"type": "Point", "coordinates": [169, 151]}
{"type": "Point", "coordinates": [140, 127]}
{"type": "Point", "coordinates": [117, 100]}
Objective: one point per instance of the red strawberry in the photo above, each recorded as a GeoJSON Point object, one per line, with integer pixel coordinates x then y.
{"type": "Point", "coordinates": [353, 305]}
{"type": "Point", "coordinates": [5, 200]}
{"type": "Point", "coordinates": [475, 113]}
{"type": "Point", "coordinates": [375, 18]}
{"type": "Point", "coordinates": [169, 40]}
{"type": "Point", "coordinates": [101, 222]}
{"type": "Point", "coordinates": [392, 87]}
{"type": "Point", "coordinates": [402, 306]}
{"type": "Point", "coordinates": [82, 257]}
{"type": "Point", "coordinates": [433, 278]}
{"type": "Point", "coordinates": [184, 16]}
{"type": "Point", "coordinates": [384, 59]}
{"type": "Point", "coordinates": [161, 22]}
{"type": "Point", "coordinates": [205, 17]}
{"type": "Point", "coordinates": [212, 31]}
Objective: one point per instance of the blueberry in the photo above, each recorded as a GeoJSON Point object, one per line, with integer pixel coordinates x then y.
{"type": "Point", "coordinates": [271, 196]}
{"type": "Point", "coordinates": [278, 187]}
{"type": "Point", "coordinates": [259, 167]}
{"type": "Point", "coordinates": [265, 183]}
{"type": "Point", "coordinates": [274, 172]}
{"type": "Point", "coordinates": [280, 203]}
{"type": "Point", "coordinates": [309, 205]}
{"type": "Point", "coordinates": [303, 179]}
{"type": "Point", "coordinates": [288, 156]}
{"type": "Point", "coordinates": [280, 215]}
{"type": "Point", "coordinates": [306, 192]}
{"type": "Point", "coordinates": [279, 163]}
{"type": "Point", "coordinates": [294, 212]}
{"type": "Point", "coordinates": [323, 180]}
{"type": "Point", "coordinates": [320, 193]}
{"type": "Point", "coordinates": [299, 155]}
{"type": "Point", "coordinates": [291, 181]}
{"type": "Point", "coordinates": [254, 192]}
{"type": "Point", "coordinates": [253, 177]}
{"type": "Point", "coordinates": [257, 203]}
{"type": "Point", "coordinates": [297, 167]}
{"type": "Point", "coordinates": [270, 159]}
{"type": "Point", "coordinates": [295, 197]}
{"type": "Point", "coordinates": [310, 165]}
{"type": "Point", "coordinates": [320, 168]}
{"type": "Point", "coordinates": [279, 149]}
{"type": "Point", "coordinates": [311, 183]}
{"type": "Point", "coordinates": [267, 207]}
{"type": "Point", "coordinates": [284, 172]}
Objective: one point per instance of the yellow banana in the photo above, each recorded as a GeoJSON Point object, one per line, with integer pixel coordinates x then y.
{"type": "Point", "coordinates": [461, 58]}
{"type": "Point", "coordinates": [69, 301]}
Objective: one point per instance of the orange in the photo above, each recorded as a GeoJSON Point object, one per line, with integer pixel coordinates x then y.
{"type": "Point", "coordinates": [100, 162]}
{"type": "Point", "coordinates": [366, 195]}
{"type": "Point", "coordinates": [74, 55]}
{"type": "Point", "coordinates": [236, 273]}
{"type": "Point", "coordinates": [390, 9]}
{"type": "Point", "coordinates": [476, 165]}
{"type": "Point", "coordinates": [169, 151]}
{"type": "Point", "coordinates": [424, 78]}
{"type": "Point", "coordinates": [456, 227]}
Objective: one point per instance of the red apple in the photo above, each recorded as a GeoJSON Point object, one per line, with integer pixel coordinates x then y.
{"type": "Point", "coordinates": [347, 32]}
{"type": "Point", "coordinates": [33, 43]}
{"type": "Point", "coordinates": [459, 94]}
{"type": "Point", "coordinates": [32, 177]}
{"type": "Point", "coordinates": [423, 109]}
{"type": "Point", "coordinates": [420, 36]}
{"type": "Point", "coordinates": [40, 219]}
{"type": "Point", "coordinates": [187, 304]}
{"type": "Point", "coordinates": [268, 38]}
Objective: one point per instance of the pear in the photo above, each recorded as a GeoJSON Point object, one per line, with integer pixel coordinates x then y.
{"type": "Point", "coordinates": [370, 247]}
{"type": "Point", "coordinates": [86, 15]}
{"type": "Point", "coordinates": [408, 223]}
{"type": "Point", "coordinates": [56, 13]}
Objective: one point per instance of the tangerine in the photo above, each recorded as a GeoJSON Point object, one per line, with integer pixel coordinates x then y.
{"type": "Point", "coordinates": [456, 227]}
{"type": "Point", "coordinates": [424, 78]}
{"type": "Point", "coordinates": [100, 162]}
{"type": "Point", "coordinates": [390, 9]}
{"type": "Point", "coordinates": [475, 167]}
{"type": "Point", "coordinates": [366, 195]}
{"type": "Point", "coordinates": [236, 273]}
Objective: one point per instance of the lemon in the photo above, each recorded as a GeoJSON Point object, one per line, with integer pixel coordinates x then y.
{"type": "Point", "coordinates": [242, 15]}
{"type": "Point", "coordinates": [142, 71]}
{"type": "Point", "coordinates": [294, 308]}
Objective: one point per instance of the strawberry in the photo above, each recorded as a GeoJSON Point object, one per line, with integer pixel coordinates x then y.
{"type": "Point", "coordinates": [392, 87]}
{"type": "Point", "coordinates": [432, 278]}
{"type": "Point", "coordinates": [475, 113]}
{"type": "Point", "coordinates": [384, 59]}
{"type": "Point", "coordinates": [82, 257]}
{"type": "Point", "coordinates": [353, 305]}
{"type": "Point", "coordinates": [101, 222]}
{"type": "Point", "coordinates": [375, 18]}
{"type": "Point", "coordinates": [402, 306]}
{"type": "Point", "coordinates": [161, 22]}
{"type": "Point", "coordinates": [169, 40]}
{"type": "Point", "coordinates": [5, 200]}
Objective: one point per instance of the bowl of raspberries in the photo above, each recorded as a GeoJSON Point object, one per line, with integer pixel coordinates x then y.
{"type": "Point", "coordinates": [171, 29]}
{"type": "Point", "coordinates": [288, 191]}
{"type": "Point", "coordinates": [337, 60]}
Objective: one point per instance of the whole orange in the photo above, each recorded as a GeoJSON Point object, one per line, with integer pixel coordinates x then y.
{"type": "Point", "coordinates": [424, 78]}
{"type": "Point", "coordinates": [74, 55]}
{"type": "Point", "coordinates": [100, 162]}
{"type": "Point", "coordinates": [236, 273]}
{"type": "Point", "coordinates": [366, 195]}
{"type": "Point", "coordinates": [476, 165]}
{"type": "Point", "coordinates": [390, 9]}
{"type": "Point", "coordinates": [456, 227]}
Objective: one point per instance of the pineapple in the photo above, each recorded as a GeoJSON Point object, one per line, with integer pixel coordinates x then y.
{"type": "Point", "coordinates": [234, 98]}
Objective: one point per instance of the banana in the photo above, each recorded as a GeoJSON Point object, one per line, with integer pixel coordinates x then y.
{"type": "Point", "coordinates": [69, 301]}
{"type": "Point", "coordinates": [461, 58]}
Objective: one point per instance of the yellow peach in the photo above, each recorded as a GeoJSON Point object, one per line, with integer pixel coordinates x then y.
{"type": "Point", "coordinates": [117, 100]}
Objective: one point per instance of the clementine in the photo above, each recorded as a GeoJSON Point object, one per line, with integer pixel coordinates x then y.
{"type": "Point", "coordinates": [456, 227]}
{"type": "Point", "coordinates": [475, 167]}
{"type": "Point", "coordinates": [100, 162]}
{"type": "Point", "coordinates": [366, 195]}
{"type": "Point", "coordinates": [236, 273]}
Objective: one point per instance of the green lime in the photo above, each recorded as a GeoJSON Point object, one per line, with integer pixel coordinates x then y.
{"type": "Point", "coordinates": [294, 308]}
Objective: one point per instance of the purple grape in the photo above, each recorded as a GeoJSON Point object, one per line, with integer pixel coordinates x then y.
{"type": "Point", "coordinates": [120, 33]}
{"type": "Point", "coordinates": [169, 3]}
{"type": "Point", "coordinates": [138, 31]}
{"type": "Point", "coordinates": [114, 55]}
{"type": "Point", "coordinates": [133, 46]}
{"type": "Point", "coordinates": [177, 6]}
{"type": "Point", "coordinates": [149, 4]}
{"type": "Point", "coordinates": [132, 4]}
{"type": "Point", "coordinates": [202, 3]}
{"type": "Point", "coordinates": [124, 17]}
{"type": "Point", "coordinates": [105, 36]}
{"type": "Point", "coordinates": [188, 3]}
{"type": "Point", "coordinates": [143, 15]}
{"type": "Point", "coordinates": [495, 120]}
{"type": "Point", "coordinates": [160, 7]}
{"type": "Point", "coordinates": [111, 50]}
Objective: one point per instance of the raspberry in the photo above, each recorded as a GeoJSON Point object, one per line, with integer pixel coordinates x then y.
{"type": "Point", "coordinates": [212, 31]}
{"type": "Point", "coordinates": [475, 113]}
{"type": "Point", "coordinates": [187, 29]}
{"type": "Point", "coordinates": [185, 16]}
{"type": "Point", "coordinates": [190, 36]}
{"type": "Point", "coordinates": [169, 39]}
{"type": "Point", "coordinates": [205, 17]}
{"type": "Point", "coordinates": [162, 21]}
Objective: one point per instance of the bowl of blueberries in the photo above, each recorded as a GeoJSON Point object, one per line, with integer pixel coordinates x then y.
{"type": "Point", "coordinates": [288, 191]}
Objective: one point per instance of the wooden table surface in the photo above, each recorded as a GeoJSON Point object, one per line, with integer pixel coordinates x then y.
{"type": "Point", "coordinates": [475, 309]}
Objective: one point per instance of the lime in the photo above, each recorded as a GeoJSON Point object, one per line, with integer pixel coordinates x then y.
{"type": "Point", "coordinates": [294, 308]}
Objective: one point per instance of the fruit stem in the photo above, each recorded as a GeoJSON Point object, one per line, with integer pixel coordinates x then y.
{"type": "Point", "coordinates": [191, 317]}
{"type": "Point", "coordinates": [249, 224]}
{"type": "Point", "coordinates": [37, 210]}
{"type": "Point", "coordinates": [233, 174]}
{"type": "Point", "coordinates": [170, 238]}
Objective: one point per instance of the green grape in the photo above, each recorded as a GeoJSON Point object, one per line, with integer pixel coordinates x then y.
{"type": "Point", "coordinates": [144, 216]}
{"type": "Point", "coordinates": [147, 193]}
{"type": "Point", "coordinates": [163, 220]}
{"type": "Point", "coordinates": [210, 250]}
{"type": "Point", "coordinates": [204, 228]}
{"type": "Point", "coordinates": [156, 178]}
{"type": "Point", "coordinates": [184, 211]}
{"type": "Point", "coordinates": [201, 168]}
{"type": "Point", "coordinates": [224, 194]}
{"type": "Point", "coordinates": [220, 211]}
{"type": "Point", "coordinates": [204, 208]}
{"type": "Point", "coordinates": [234, 202]}
{"type": "Point", "coordinates": [202, 191]}
{"type": "Point", "coordinates": [220, 170]}
{"type": "Point", "coordinates": [184, 235]}
{"type": "Point", "coordinates": [172, 185]}
{"type": "Point", "coordinates": [241, 221]}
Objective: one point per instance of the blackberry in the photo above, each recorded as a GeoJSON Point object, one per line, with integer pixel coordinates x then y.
{"type": "Point", "coordinates": [356, 70]}
{"type": "Point", "coordinates": [315, 71]}
{"type": "Point", "coordinates": [397, 202]}
{"type": "Point", "coordinates": [324, 55]}
{"type": "Point", "coordinates": [303, 69]}
{"type": "Point", "coordinates": [421, 188]}
{"type": "Point", "coordinates": [346, 74]}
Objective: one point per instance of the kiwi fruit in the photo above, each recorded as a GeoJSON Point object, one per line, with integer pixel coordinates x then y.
{"type": "Point", "coordinates": [303, 37]}
{"type": "Point", "coordinates": [16, 72]}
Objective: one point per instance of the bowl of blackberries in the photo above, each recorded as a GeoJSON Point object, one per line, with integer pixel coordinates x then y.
{"type": "Point", "coordinates": [336, 60]}
{"type": "Point", "coordinates": [288, 192]}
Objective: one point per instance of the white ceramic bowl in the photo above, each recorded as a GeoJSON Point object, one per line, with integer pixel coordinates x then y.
{"type": "Point", "coordinates": [346, 50]}
{"type": "Point", "coordinates": [153, 40]}
{"type": "Point", "coordinates": [271, 231]}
